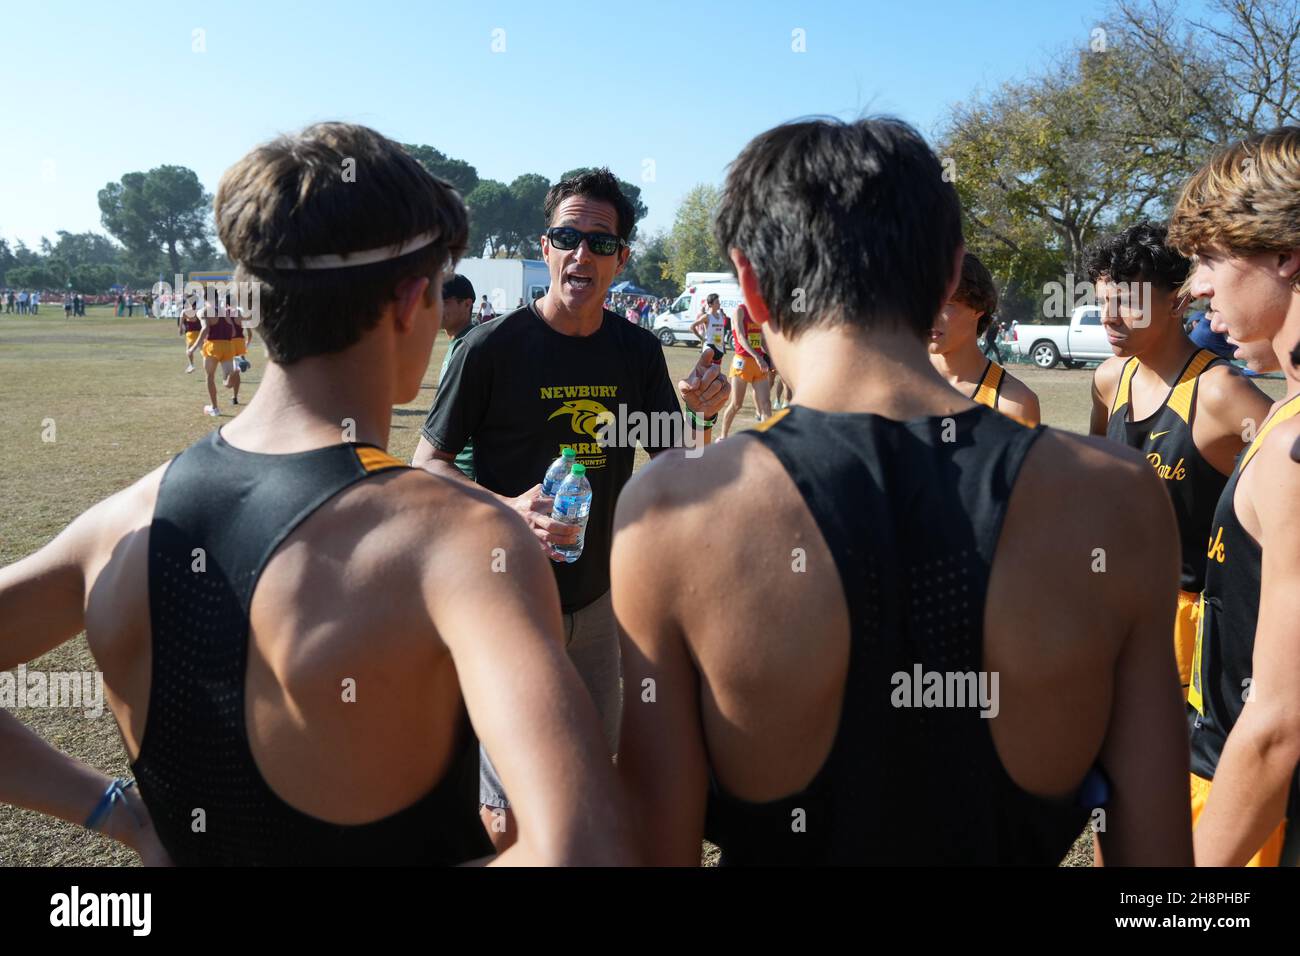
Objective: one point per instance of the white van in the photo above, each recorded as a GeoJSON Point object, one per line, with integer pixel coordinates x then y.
{"type": "Point", "coordinates": [674, 325]}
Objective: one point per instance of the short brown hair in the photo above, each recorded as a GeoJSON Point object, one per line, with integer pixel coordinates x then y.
{"type": "Point", "coordinates": [292, 198]}
{"type": "Point", "coordinates": [976, 289]}
{"type": "Point", "coordinates": [844, 224]}
{"type": "Point", "coordinates": [1246, 200]}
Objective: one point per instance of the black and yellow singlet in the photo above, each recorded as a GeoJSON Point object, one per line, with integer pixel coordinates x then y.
{"type": "Point", "coordinates": [1225, 643]}
{"type": "Point", "coordinates": [239, 507]}
{"type": "Point", "coordinates": [989, 389]}
{"type": "Point", "coordinates": [1165, 438]}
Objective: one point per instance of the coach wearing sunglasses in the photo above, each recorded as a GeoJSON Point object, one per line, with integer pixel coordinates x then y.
{"type": "Point", "coordinates": [548, 376]}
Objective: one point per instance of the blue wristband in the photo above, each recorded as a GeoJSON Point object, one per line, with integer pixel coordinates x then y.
{"type": "Point", "coordinates": [116, 791]}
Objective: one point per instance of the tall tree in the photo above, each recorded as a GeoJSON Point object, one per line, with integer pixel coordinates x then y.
{"type": "Point", "coordinates": [1044, 165]}
{"type": "Point", "coordinates": [162, 211]}
{"type": "Point", "coordinates": [85, 248]}
{"type": "Point", "coordinates": [690, 246]}
{"type": "Point", "coordinates": [456, 171]}
{"type": "Point", "coordinates": [34, 277]}
{"type": "Point", "coordinates": [527, 218]}
{"type": "Point", "coordinates": [647, 265]}
{"type": "Point", "coordinates": [93, 278]}
{"type": "Point", "coordinates": [490, 208]}
{"type": "Point", "coordinates": [24, 256]}
{"type": "Point", "coordinates": [1110, 134]}
{"type": "Point", "coordinates": [7, 260]}
{"type": "Point", "coordinates": [1237, 68]}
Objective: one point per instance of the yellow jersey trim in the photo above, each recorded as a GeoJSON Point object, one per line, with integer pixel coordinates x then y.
{"type": "Point", "coordinates": [372, 459]}
{"type": "Point", "coordinates": [1180, 399]}
{"type": "Point", "coordinates": [987, 391]}
{"type": "Point", "coordinates": [772, 419]}
{"type": "Point", "coordinates": [1288, 410]}
{"type": "Point", "coordinates": [1121, 393]}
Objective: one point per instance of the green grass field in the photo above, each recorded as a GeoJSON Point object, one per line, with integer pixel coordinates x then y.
{"type": "Point", "coordinates": [113, 395]}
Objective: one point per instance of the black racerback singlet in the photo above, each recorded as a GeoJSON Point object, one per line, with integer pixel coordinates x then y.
{"type": "Point", "coordinates": [239, 507]}
{"type": "Point", "coordinates": [912, 521]}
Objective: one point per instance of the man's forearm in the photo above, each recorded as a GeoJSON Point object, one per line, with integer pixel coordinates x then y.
{"type": "Point", "coordinates": [1248, 799]}
{"type": "Point", "coordinates": [446, 468]}
{"type": "Point", "coordinates": [443, 467]}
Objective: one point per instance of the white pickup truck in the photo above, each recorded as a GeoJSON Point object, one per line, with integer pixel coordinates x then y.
{"type": "Point", "coordinates": [1074, 345]}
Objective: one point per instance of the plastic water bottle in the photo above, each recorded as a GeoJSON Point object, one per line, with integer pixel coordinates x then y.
{"type": "Point", "coordinates": [573, 506]}
{"type": "Point", "coordinates": [558, 471]}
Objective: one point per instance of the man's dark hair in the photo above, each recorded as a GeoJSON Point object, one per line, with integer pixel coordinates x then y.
{"type": "Point", "coordinates": [458, 287]}
{"type": "Point", "coordinates": [844, 223]}
{"type": "Point", "coordinates": [599, 184]}
{"type": "Point", "coordinates": [333, 188]}
{"type": "Point", "coordinates": [975, 288]}
{"type": "Point", "coordinates": [1138, 254]}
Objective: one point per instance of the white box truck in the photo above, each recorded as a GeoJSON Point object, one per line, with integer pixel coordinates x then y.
{"type": "Point", "coordinates": [506, 282]}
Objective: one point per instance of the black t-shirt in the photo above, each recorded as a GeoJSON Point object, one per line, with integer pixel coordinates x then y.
{"type": "Point", "coordinates": [522, 392]}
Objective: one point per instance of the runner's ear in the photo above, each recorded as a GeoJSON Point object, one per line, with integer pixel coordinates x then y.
{"type": "Point", "coordinates": [750, 292]}
{"type": "Point", "coordinates": [410, 296]}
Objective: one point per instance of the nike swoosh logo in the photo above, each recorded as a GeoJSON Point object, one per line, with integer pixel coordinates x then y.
{"type": "Point", "coordinates": [1155, 435]}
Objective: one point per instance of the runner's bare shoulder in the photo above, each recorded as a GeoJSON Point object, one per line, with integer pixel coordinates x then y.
{"type": "Point", "coordinates": [1019, 400]}
{"type": "Point", "coordinates": [1231, 396]}
{"type": "Point", "coordinates": [1090, 516]}
{"type": "Point", "coordinates": [1105, 380]}
{"type": "Point", "coordinates": [98, 533]}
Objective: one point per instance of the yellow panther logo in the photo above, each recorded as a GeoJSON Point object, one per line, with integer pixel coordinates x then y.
{"type": "Point", "coordinates": [588, 416]}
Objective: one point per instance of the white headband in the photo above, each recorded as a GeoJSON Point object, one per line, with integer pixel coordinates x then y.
{"type": "Point", "coordinates": [365, 257]}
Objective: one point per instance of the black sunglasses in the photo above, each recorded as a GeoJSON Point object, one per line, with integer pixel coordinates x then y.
{"type": "Point", "coordinates": [600, 243]}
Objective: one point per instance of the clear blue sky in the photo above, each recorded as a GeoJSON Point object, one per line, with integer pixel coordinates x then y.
{"type": "Point", "coordinates": [98, 90]}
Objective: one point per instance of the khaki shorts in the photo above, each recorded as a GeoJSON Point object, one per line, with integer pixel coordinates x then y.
{"type": "Point", "coordinates": [591, 638]}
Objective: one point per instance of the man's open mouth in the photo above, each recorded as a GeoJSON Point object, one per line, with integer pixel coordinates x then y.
{"type": "Point", "coordinates": [579, 282]}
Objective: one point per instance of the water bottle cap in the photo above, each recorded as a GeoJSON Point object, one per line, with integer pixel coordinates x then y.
{"type": "Point", "coordinates": [579, 469]}
{"type": "Point", "coordinates": [569, 453]}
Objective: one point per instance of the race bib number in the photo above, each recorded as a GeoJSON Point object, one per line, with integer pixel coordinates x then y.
{"type": "Point", "coordinates": [755, 340]}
